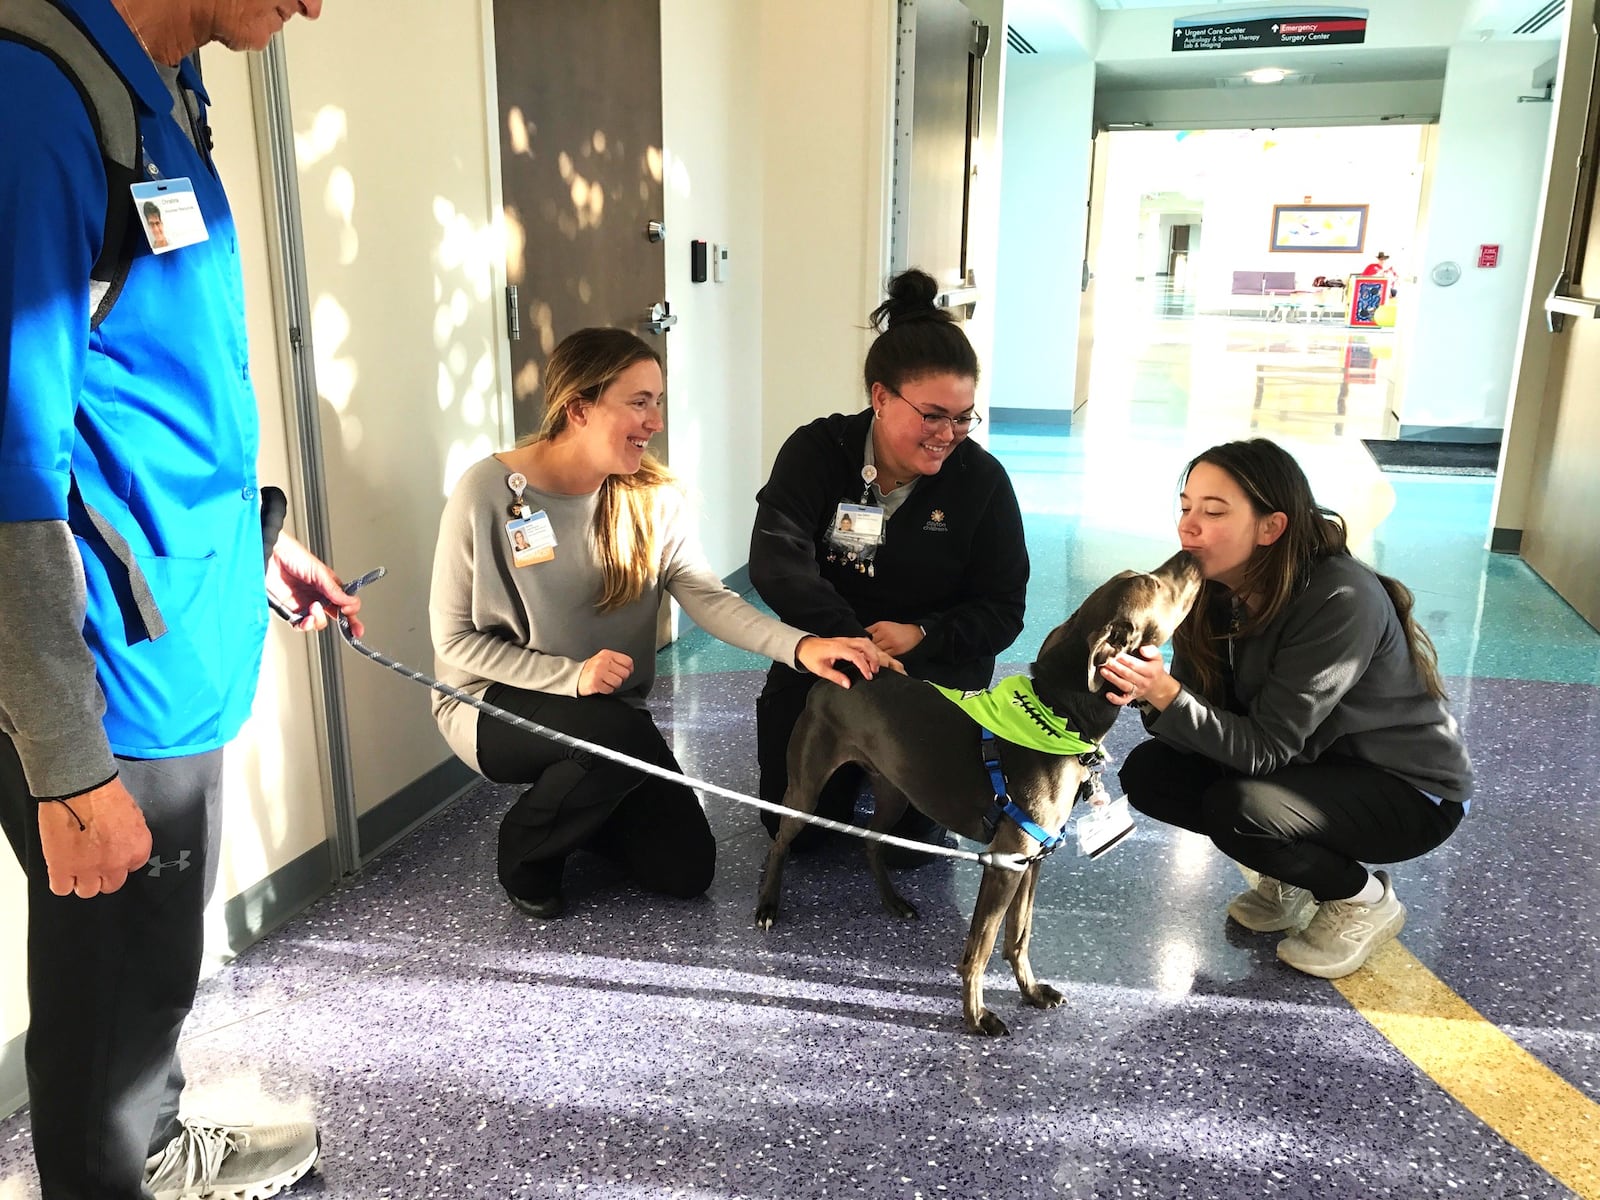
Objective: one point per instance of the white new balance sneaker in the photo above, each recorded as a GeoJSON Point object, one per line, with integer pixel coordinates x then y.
{"type": "Point", "coordinates": [1344, 933]}
{"type": "Point", "coordinates": [1272, 905]}
{"type": "Point", "coordinates": [232, 1162]}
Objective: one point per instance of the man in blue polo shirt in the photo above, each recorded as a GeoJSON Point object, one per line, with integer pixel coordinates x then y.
{"type": "Point", "coordinates": [132, 604]}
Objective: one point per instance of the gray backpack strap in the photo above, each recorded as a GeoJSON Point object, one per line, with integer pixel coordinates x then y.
{"type": "Point", "coordinates": [42, 26]}
{"type": "Point", "coordinates": [144, 600]}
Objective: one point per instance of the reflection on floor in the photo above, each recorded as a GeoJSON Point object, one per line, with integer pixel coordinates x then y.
{"type": "Point", "coordinates": [452, 1047]}
{"type": "Point", "coordinates": [1291, 378]}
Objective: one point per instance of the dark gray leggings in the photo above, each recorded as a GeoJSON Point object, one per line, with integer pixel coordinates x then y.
{"type": "Point", "coordinates": [1311, 826]}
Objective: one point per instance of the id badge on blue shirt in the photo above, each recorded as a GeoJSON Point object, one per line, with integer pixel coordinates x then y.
{"type": "Point", "coordinates": [169, 214]}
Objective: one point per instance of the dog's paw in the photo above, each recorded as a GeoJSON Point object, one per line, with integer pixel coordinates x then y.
{"type": "Point", "coordinates": [1042, 995]}
{"type": "Point", "coordinates": [902, 908]}
{"type": "Point", "coordinates": [766, 916]}
{"type": "Point", "coordinates": [988, 1025]}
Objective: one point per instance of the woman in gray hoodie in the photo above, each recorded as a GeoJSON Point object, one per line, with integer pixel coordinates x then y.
{"type": "Point", "coordinates": [1303, 726]}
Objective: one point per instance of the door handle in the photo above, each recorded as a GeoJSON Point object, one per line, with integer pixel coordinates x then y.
{"type": "Point", "coordinates": [659, 318]}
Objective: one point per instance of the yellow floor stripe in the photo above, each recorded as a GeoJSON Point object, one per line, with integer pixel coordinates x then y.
{"type": "Point", "coordinates": [1507, 1088]}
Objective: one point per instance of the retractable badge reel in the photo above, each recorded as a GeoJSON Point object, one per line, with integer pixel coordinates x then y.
{"type": "Point", "coordinates": [529, 535]}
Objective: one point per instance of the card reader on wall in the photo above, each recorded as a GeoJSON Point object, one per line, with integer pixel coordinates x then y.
{"type": "Point", "coordinates": [697, 262]}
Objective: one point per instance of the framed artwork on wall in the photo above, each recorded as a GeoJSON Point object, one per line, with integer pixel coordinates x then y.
{"type": "Point", "coordinates": [1319, 228]}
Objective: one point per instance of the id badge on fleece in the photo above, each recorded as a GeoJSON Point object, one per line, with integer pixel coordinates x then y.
{"type": "Point", "coordinates": [855, 535]}
{"type": "Point", "coordinates": [169, 214]}
{"type": "Point", "coordinates": [532, 539]}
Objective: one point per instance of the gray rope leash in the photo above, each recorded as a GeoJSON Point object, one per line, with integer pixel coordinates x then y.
{"type": "Point", "coordinates": [989, 858]}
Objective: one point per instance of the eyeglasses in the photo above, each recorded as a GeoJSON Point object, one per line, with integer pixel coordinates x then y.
{"type": "Point", "coordinates": [935, 422]}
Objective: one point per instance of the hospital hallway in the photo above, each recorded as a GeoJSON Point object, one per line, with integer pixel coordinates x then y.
{"type": "Point", "coordinates": [639, 1047]}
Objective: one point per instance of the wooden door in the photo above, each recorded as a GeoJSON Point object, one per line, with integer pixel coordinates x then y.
{"type": "Point", "coordinates": [582, 170]}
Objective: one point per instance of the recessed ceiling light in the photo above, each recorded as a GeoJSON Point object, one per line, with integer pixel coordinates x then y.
{"type": "Point", "coordinates": [1267, 75]}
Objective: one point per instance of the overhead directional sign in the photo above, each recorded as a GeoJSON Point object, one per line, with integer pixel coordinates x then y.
{"type": "Point", "coordinates": [1270, 28]}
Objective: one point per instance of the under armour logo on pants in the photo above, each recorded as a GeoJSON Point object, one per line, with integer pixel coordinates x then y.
{"type": "Point", "coordinates": [157, 865]}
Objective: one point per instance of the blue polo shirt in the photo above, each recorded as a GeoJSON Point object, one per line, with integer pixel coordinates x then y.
{"type": "Point", "coordinates": [151, 416]}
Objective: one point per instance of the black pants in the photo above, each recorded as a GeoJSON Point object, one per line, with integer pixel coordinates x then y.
{"type": "Point", "coordinates": [1311, 826]}
{"type": "Point", "coordinates": [111, 979]}
{"type": "Point", "coordinates": [654, 829]}
{"type": "Point", "coordinates": [778, 710]}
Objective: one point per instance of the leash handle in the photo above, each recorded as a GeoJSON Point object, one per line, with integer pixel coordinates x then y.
{"type": "Point", "coordinates": [988, 858]}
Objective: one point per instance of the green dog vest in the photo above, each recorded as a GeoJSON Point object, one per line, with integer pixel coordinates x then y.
{"type": "Point", "coordinates": [1012, 710]}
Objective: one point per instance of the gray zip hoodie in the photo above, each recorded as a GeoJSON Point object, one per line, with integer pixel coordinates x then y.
{"type": "Point", "coordinates": [1332, 674]}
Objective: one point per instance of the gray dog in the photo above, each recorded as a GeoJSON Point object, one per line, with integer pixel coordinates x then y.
{"type": "Point", "coordinates": [920, 748]}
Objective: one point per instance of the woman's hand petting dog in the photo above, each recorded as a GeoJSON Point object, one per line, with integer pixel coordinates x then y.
{"type": "Point", "coordinates": [1141, 677]}
{"type": "Point", "coordinates": [819, 654]}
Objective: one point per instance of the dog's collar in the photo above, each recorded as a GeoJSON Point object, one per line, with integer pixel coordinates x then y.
{"type": "Point", "coordinates": [1013, 710]}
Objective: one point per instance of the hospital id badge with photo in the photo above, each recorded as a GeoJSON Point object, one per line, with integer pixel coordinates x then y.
{"type": "Point", "coordinates": [1103, 823]}
{"type": "Point", "coordinates": [169, 214]}
{"type": "Point", "coordinates": [855, 535]}
{"type": "Point", "coordinates": [532, 539]}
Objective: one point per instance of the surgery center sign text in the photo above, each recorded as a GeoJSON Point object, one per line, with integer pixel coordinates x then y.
{"type": "Point", "coordinates": [1265, 29]}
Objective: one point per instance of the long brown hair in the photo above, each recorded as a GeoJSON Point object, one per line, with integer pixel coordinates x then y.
{"type": "Point", "coordinates": [582, 366]}
{"type": "Point", "coordinates": [1273, 482]}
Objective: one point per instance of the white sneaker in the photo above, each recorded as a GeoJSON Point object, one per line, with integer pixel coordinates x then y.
{"type": "Point", "coordinates": [232, 1162]}
{"type": "Point", "coordinates": [1344, 933]}
{"type": "Point", "coordinates": [1272, 905]}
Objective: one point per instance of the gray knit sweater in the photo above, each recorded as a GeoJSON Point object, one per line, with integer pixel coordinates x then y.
{"type": "Point", "coordinates": [1333, 675]}
{"type": "Point", "coordinates": [532, 627]}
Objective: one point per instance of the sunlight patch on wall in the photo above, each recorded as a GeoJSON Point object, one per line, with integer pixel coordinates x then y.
{"type": "Point", "coordinates": [339, 198]}
{"type": "Point", "coordinates": [677, 174]}
{"type": "Point", "coordinates": [461, 455]}
{"type": "Point", "coordinates": [466, 246]}
{"type": "Point", "coordinates": [518, 132]}
{"type": "Point", "coordinates": [328, 128]}
{"type": "Point", "coordinates": [516, 242]}
{"type": "Point", "coordinates": [330, 330]}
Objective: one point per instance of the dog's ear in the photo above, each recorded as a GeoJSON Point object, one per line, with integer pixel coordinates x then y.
{"type": "Point", "coordinates": [1105, 644]}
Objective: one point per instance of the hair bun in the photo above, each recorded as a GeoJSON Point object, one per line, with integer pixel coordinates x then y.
{"type": "Point", "coordinates": [911, 296]}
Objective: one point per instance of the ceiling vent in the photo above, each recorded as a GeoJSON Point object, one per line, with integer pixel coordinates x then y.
{"type": "Point", "coordinates": [1017, 42]}
{"type": "Point", "coordinates": [1541, 16]}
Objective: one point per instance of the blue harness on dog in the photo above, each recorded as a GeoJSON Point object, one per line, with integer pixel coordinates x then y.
{"type": "Point", "coordinates": [1015, 708]}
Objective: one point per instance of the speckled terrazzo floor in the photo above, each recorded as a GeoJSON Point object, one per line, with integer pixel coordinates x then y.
{"type": "Point", "coordinates": [644, 1048]}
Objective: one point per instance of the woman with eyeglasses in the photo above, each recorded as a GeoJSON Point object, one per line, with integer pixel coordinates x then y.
{"type": "Point", "coordinates": [890, 522]}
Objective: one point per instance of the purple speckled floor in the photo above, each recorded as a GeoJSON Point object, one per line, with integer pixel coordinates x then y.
{"type": "Point", "coordinates": [452, 1047]}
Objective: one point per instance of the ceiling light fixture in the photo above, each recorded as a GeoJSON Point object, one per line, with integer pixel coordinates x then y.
{"type": "Point", "coordinates": [1267, 75]}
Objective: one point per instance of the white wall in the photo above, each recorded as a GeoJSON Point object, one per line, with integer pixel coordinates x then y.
{"type": "Point", "coordinates": [274, 798]}
{"type": "Point", "coordinates": [711, 126]}
{"type": "Point", "coordinates": [1043, 217]}
{"type": "Point", "coordinates": [827, 70]}
{"type": "Point", "coordinates": [401, 253]}
{"type": "Point", "coordinates": [1487, 187]}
